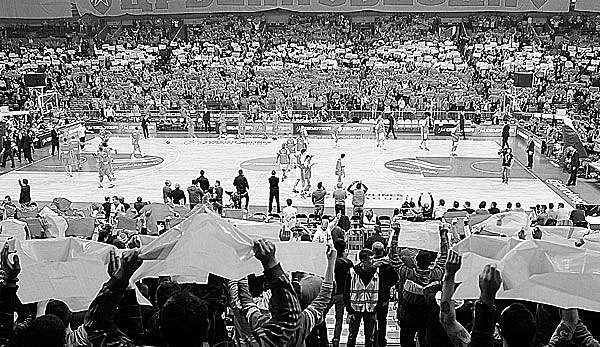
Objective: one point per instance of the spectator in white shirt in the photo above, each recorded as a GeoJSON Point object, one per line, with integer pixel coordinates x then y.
{"type": "Point", "coordinates": [562, 214]}
{"type": "Point", "coordinates": [289, 215]}
{"type": "Point", "coordinates": [440, 210]}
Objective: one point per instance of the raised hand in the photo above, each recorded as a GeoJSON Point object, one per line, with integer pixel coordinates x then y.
{"type": "Point", "coordinates": [264, 251]}
{"type": "Point", "coordinates": [489, 283]}
{"type": "Point", "coordinates": [122, 268]}
{"type": "Point", "coordinates": [331, 255]}
{"type": "Point", "coordinates": [9, 269]}
{"type": "Point", "coordinates": [453, 264]}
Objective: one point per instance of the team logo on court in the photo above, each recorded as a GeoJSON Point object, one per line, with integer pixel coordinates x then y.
{"type": "Point", "coordinates": [416, 166]}
{"type": "Point", "coordinates": [137, 163]}
{"type": "Point", "coordinates": [101, 6]}
{"type": "Point", "coordinates": [260, 164]}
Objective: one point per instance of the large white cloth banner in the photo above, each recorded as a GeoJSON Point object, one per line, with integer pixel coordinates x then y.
{"type": "Point", "coordinates": [534, 270]}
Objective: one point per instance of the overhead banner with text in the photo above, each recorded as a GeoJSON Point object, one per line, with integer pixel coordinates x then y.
{"type": "Point", "coordinates": [587, 5]}
{"type": "Point", "coordinates": [153, 7]}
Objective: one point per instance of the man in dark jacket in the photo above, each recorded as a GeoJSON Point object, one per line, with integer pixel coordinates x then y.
{"type": "Point", "coordinates": [574, 168]}
{"type": "Point", "coordinates": [274, 192]}
{"type": "Point", "coordinates": [7, 150]}
{"type": "Point", "coordinates": [505, 135]}
{"type": "Point", "coordinates": [341, 272]}
{"type": "Point", "coordinates": [241, 185]}
{"type": "Point", "coordinates": [203, 182]}
{"type": "Point", "coordinates": [387, 279]}
{"type": "Point", "coordinates": [194, 194]}
{"type": "Point", "coordinates": [25, 196]}
{"type": "Point", "coordinates": [27, 146]}
{"type": "Point", "coordinates": [530, 151]}
{"type": "Point", "coordinates": [54, 140]}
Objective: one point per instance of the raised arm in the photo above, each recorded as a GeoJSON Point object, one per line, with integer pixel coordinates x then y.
{"type": "Point", "coordinates": [571, 329]}
{"type": "Point", "coordinates": [438, 270]}
{"type": "Point", "coordinates": [484, 319]}
{"type": "Point", "coordinates": [459, 336]}
{"type": "Point", "coordinates": [100, 318]}
{"type": "Point", "coordinates": [317, 309]}
{"type": "Point", "coordinates": [395, 261]}
{"type": "Point", "coordinates": [285, 305]}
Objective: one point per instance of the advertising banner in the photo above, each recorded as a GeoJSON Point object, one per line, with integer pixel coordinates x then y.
{"type": "Point", "coordinates": [117, 128]}
{"type": "Point", "coordinates": [348, 129]}
{"type": "Point", "coordinates": [492, 130]}
{"type": "Point", "coordinates": [155, 7]}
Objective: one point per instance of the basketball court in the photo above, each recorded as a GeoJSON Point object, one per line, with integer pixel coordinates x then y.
{"type": "Point", "coordinates": [401, 171]}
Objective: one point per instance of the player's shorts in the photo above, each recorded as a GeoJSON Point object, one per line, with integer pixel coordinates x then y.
{"type": "Point", "coordinates": [136, 147]}
{"type": "Point", "coordinates": [307, 173]}
{"type": "Point", "coordinates": [104, 171]}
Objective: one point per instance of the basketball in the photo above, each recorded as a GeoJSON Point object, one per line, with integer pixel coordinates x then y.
{"type": "Point", "coordinates": [168, 142]}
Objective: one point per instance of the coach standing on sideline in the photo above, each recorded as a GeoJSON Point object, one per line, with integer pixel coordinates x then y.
{"type": "Point", "coordinates": [241, 185]}
{"type": "Point", "coordinates": [505, 134]}
{"type": "Point", "coordinates": [54, 140]}
{"type": "Point", "coordinates": [390, 118]}
{"type": "Point", "coordinates": [574, 168]}
{"type": "Point", "coordinates": [530, 151]}
{"type": "Point", "coordinates": [145, 126]}
{"type": "Point", "coordinates": [274, 192]}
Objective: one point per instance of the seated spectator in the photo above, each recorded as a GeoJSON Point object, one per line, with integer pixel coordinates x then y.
{"type": "Point", "coordinates": [439, 210]}
{"type": "Point", "coordinates": [467, 207]}
{"type": "Point", "coordinates": [508, 207]}
{"type": "Point", "coordinates": [481, 209]}
{"type": "Point", "coordinates": [455, 207]}
{"type": "Point", "coordinates": [494, 208]}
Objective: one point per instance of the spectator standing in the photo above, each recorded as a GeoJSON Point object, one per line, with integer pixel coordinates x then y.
{"type": "Point", "coordinates": [25, 194]}
{"type": "Point", "coordinates": [342, 272]}
{"type": "Point", "coordinates": [194, 194]}
{"type": "Point", "coordinates": [358, 191]}
{"type": "Point", "coordinates": [339, 196]}
{"type": "Point", "coordinates": [289, 214]}
{"type": "Point", "coordinates": [203, 182]}
{"type": "Point", "coordinates": [387, 279]}
{"type": "Point", "coordinates": [361, 297]}
{"type": "Point", "coordinates": [167, 192]}
{"type": "Point", "coordinates": [318, 199]}
{"type": "Point", "coordinates": [178, 195]}
{"type": "Point", "coordinates": [505, 135]}
{"type": "Point", "coordinates": [274, 192]}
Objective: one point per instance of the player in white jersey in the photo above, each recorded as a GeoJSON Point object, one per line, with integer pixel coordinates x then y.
{"type": "Point", "coordinates": [135, 142]}
{"type": "Point", "coordinates": [222, 126]}
{"type": "Point", "coordinates": [241, 126]}
{"type": "Point", "coordinates": [283, 159]}
{"type": "Point", "coordinates": [424, 134]}
{"type": "Point", "coordinates": [276, 116]}
{"type": "Point", "coordinates": [380, 132]}
{"type": "Point", "coordinates": [304, 134]}
{"type": "Point", "coordinates": [190, 122]}
{"type": "Point", "coordinates": [104, 135]}
{"type": "Point", "coordinates": [335, 134]}
{"type": "Point", "coordinates": [265, 124]}
{"type": "Point", "coordinates": [66, 157]}
{"type": "Point", "coordinates": [454, 136]}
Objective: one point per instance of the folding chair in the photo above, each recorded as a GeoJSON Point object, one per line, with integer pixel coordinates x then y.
{"type": "Point", "coordinates": [356, 222]}
{"type": "Point", "coordinates": [356, 241]}
{"type": "Point", "coordinates": [385, 222]}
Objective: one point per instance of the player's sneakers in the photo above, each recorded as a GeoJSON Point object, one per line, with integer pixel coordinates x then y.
{"type": "Point", "coordinates": [112, 185]}
{"type": "Point", "coordinates": [100, 186]}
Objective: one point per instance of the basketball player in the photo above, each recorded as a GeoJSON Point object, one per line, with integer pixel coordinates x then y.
{"type": "Point", "coordinates": [66, 157]}
{"type": "Point", "coordinates": [308, 164]}
{"type": "Point", "coordinates": [300, 158]}
{"type": "Point", "coordinates": [222, 126]}
{"type": "Point", "coordinates": [190, 123]}
{"type": "Point", "coordinates": [304, 134]}
{"type": "Point", "coordinates": [104, 166]}
{"type": "Point", "coordinates": [301, 144]}
{"type": "Point", "coordinates": [340, 168]}
{"type": "Point", "coordinates": [265, 124]}
{"type": "Point", "coordinates": [241, 126]}
{"type": "Point", "coordinates": [380, 132]}
{"type": "Point", "coordinates": [335, 134]}
{"type": "Point", "coordinates": [290, 144]}
{"type": "Point", "coordinates": [276, 116]}
{"type": "Point", "coordinates": [104, 135]}
{"type": "Point", "coordinates": [135, 142]}
{"type": "Point", "coordinates": [507, 162]}
{"type": "Point", "coordinates": [76, 150]}
{"type": "Point", "coordinates": [424, 134]}
{"type": "Point", "coordinates": [283, 159]}
{"type": "Point", "coordinates": [454, 135]}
